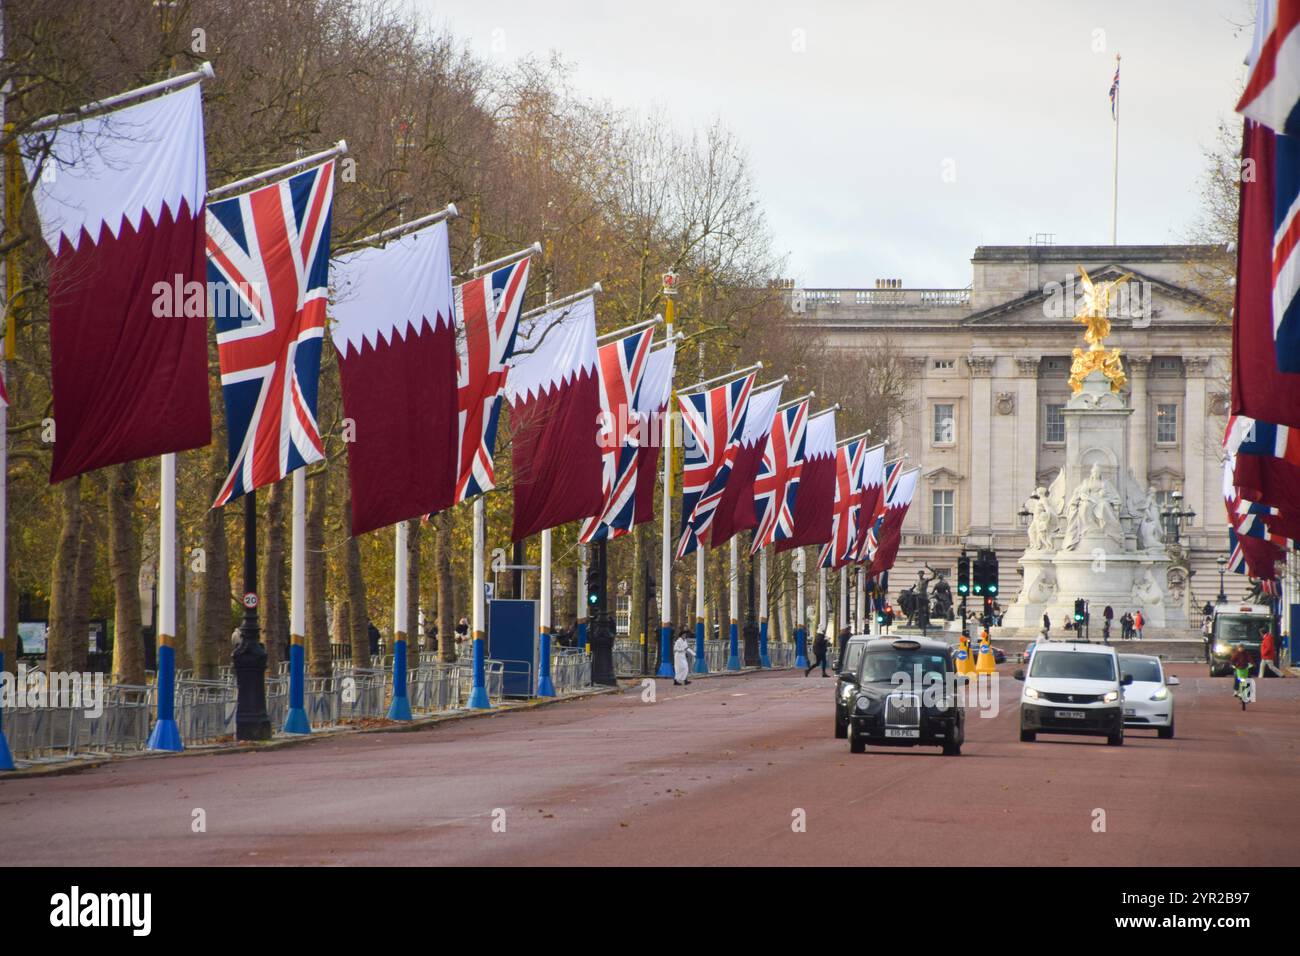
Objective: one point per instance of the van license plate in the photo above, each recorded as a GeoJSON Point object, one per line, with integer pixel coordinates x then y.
{"type": "Point", "coordinates": [1073, 714]}
{"type": "Point", "coordinates": [901, 732]}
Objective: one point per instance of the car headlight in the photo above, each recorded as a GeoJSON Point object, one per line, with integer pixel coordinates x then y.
{"type": "Point", "coordinates": [846, 691]}
{"type": "Point", "coordinates": [1220, 648]}
{"type": "Point", "coordinates": [863, 704]}
{"type": "Point", "coordinates": [1161, 693]}
{"type": "Point", "coordinates": [1031, 693]}
{"type": "Point", "coordinates": [1111, 697]}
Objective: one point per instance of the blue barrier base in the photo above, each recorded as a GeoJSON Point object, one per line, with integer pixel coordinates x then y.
{"type": "Point", "coordinates": [400, 708]}
{"type": "Point", "coordinates": [296, 721]}
{"type": "Point", "coordinates": [701, 664]}
{"type": "Point", "coordinates": [6, 758]}
{"type": "Point", "coordinates": [733, 658]}
{"type": "Point", "coordinates": [478, 699]}
{"type": "Point", "coordinates": [666, 668]}
{"type": "Point", "coordinates": [165, 736]}
{"type": "Point", "coordinates": [546, 686]}
{"type": "Point", "coordinates": [764, 660]}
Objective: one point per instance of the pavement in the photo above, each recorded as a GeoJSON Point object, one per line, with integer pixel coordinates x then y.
{"type": "Point", "coordinates": [742, 769]}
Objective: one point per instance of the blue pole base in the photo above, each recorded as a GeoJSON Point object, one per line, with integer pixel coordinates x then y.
{"type": "Point", "coordinates": [701, 664]}
{"type": "Point", "coordinates": [764, 660]}
{"type": "Point", "coordinates": [296, 721]}
{"type": "Point", "coordinates": [733, 658]}
{"type": "Point", "coordinates": [546, 686]}
{"type": "Point", "coordinates": [478, 699]}
{"type": "Point", "coordinates": [400, 708]}
{"type": "Point", "coordinates": [666, 668]}
{"type": "Point", "coordinates": [6, 757]}
{"type": "Point", "coordinates": [165, 736]}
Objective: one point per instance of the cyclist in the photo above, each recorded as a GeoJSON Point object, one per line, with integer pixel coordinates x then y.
{"type": "Point", "coordinates": [1241, 665]}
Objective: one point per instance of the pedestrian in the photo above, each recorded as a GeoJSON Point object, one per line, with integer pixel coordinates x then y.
{"type": "Point", "coordinates": [820, 645]}
{"type": "Point", "coordinates": [1266, 653]}
{"type": "Point", "coordinates": [1047, 624]}
{"type": "Point", "coordinates": [841, 642]}
{"type": "Point", "coordinates": [1137, 624]}
{"type": "Point", "coordinates": [372, 634]}
{"type": "Point", "coordinates": [681, 659]}
{"type": "Point", "coordinates": [1125, 626]}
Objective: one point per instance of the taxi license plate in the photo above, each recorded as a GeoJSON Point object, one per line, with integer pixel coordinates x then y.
{"type": "Point", "coordinates": [901, 732]}
{"type": "Point", "coordinates": [1073, 714]}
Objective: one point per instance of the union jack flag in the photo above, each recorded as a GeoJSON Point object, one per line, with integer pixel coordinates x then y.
{"type": "Point", "coordinates": [487, 317]}
{"type": "Point", "coordinates": [777, 484]}
{"type": "Point", "coordinates": [268, 257]}
{"type": "Point", "coordinates": [867, 544]}
{"type": "Point", "coordinates": [1114, 91]}
{"type": "Point", "coordinates": [714, 421]}
{"type": "Point", "coordinates": [622, 364]}
{"type": "Point", "coordinates": [844, 531]}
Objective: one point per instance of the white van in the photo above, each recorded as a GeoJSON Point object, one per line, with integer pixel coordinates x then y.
{"type": "Point", "coordinates": [1073, 689]}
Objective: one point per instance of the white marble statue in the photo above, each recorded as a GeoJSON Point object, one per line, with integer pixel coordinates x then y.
{"type": "Point", "coordinates": [1146, 593]}
{"type": "Point", "coordinates": [1043, 520]}
{"type": "Point", "coordinates": [1093, 509]}
{"type": "Point", "coordinates": [1043, 588]}
{"type": "Point", "coordinates": [1151, 536]}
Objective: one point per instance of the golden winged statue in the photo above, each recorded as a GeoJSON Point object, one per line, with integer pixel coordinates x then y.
{"type": "Point", "coordinates": [1093, 313]}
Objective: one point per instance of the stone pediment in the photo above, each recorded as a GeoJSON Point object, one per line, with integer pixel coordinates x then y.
{"type": "Point", "coordinates": [943, 474]}
{"type": "Point", "coordinates": [1031, 307]}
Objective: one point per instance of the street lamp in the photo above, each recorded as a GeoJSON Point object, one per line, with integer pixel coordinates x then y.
{"type": "Point", "coordinates": [1174, 515]}
{"type": "Point", "coordinates": [1223, 567]}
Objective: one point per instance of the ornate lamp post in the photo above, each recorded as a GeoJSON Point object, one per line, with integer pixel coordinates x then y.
{"type": "Point", "coordinates": [1223, 567]}
{"type": "Point", "coordinates": [1174, 515]}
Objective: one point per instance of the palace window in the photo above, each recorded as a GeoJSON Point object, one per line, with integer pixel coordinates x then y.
{"type": "Point", "coordinates": [942, 511]}
{"type": "Point", "coordinates": [945, 424]}
{"type": "Point", "coordinates": [1167, 424]}
{"type": "Point", "coordinates": [943, 365]}
{"type": "Point", "coordinates": [1054, 425]}
{"type": "Point", "coordinates": [623, 614]}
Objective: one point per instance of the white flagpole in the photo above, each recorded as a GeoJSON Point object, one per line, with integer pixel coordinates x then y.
{"type": "Point", "coordinates": [666, 553]}
{"type": "Point", "coordinates": [801, 612]}
{"type": "Point", "coordinates": [733, 655]}
{"type": "Point", "coordinates": [400, 707]}
{"type": "Point", "coordinates": [545, 685]}
{"type": "Point", "coordinates": [1114, 194]}
{"type": "Point", "coordinates": [701, 664]}
{"type": "Point", "coordinates": [862, 600]}
{"type": "Point", "coordinates": [822, 610]}
{"type": "Point", "coordinates": [166, 735]}
{"type": "Point", "coordinates": [764, 659]}
{"type": "Point", "coordinates": [478, 697]}
{"type": "Point", "coordinates": [580, 622]}
{"type": "Point", "coordinates": [296, 721]}
{"type": "Point", "coordinates": [844, 598]}
{"type": "Point", "coordinates": [6, 757]}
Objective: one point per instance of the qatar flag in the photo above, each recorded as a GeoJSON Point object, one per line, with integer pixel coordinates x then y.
{"type": "Point", "coordinates": [396, 341]}
{"type": "Point", "coordinates": [871, 499]}
{"type": "Point", "coordinates": [814, 507]}
{"type": "Point", "coordinates": [652, 404]}
{"type": "Point", "coordinates": [737, 510]}
{"type": "Point", "coordinates": [891, 527]}
{"type": "Point", "coordinates": [121, 204]}
{"type": "Point", "coordinates": [553, 390]}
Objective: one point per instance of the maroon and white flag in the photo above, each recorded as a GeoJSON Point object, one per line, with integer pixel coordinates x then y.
{"type": "Point", "coordinates": [121, 204]}
{"type": "Point", "coordinates": [652, 403]}
{"type": "Point", "coordinates": [396, 340]}
{"type": "Point", "coordinates": [553, 390]}
{"type": "Point", "coordinates": [891, 527]}
{"type": "Point", "coordinates": [737, 510]}
{"type": "Point", "coordinates": [815, 505]}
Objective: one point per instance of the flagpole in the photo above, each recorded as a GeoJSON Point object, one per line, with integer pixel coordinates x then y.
{"type": "Point", "coordinates": [1114, 194]}
{"type": "Point", "coordinates": [166, 735]}
{"type": "Point", "coordinates": [562, 301]}
{"type": "Point", "coordinates": [478, 697]}
{"type": "Point", "coordinates": [801, 612]}
{"type": "Point", "coordinates": [701, 664]}
{"type": "Point", "coordinates": [296, 721]}
{"type": "Point", "coordinates": [204, 72]}
{"type": "Point", "coordinates": [278, 172]}
{"type": "Point", "coordinates": [862, 599]}
{"type": "Point", "coordinates": [733, 655]}
{"type": "Point", "coordinates": [580, 621]}
{"type": "Point", "coordinates": [545, 685]}
{"type": "Point", "coordinates": [400, 707]}
{"type": "Point", "coordinates": [822, 610]}
{"type": "Point", "coordinates": [6, 756]}
{"type": "Point", "coordinates": [844, 598]}
{"type": "Point", "coordinates": [763, 659]}
{"type": "Point", "coordinates": [666, 555]}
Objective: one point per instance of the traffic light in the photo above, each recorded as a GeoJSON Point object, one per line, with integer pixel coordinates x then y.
{"type": "Point", "coordinates": [963, 574]}
{"type": "Point", "coordinates": [1078, 610]}
{"type": "Point", "coordinates": [595, 582]}
{"type": "Point", "coordinates": [977, 574]}
{"type": "Point", "coordinates": [991, 572]}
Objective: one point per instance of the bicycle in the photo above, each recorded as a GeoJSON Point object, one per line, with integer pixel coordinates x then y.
{"type": "Point", "coordinates": [1243, 687]}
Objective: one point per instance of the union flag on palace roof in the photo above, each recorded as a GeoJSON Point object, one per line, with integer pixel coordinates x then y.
{"type": "Point", "coordinates": [396, 342]}
{"type": "Point", "coordinates": [120, 201]}
{"type": "Point", "coordinates": [268, 267]}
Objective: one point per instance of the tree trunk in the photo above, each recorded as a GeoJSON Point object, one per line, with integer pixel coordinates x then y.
{"type": "Point", "coordinates": [442, 526]}
{"type": "Point", "coordinates": [413, 593]}
{"type": "Point", "coordinates": [79, 648]}
{"type": "Point", "coordinates": [359, 617]}
{"type": "Point", "coordinates": [271, 567]}
{"type": "Point", "coordinates": [63, 583]}
{"type": "Point", "coordinates": [124, 566]}
{"type": "Point", "coordinates": [213, 646]}
{"type": "Point", "coordinates": [636, 605]}
{"type": "Point", "coordinates": [317, 636]}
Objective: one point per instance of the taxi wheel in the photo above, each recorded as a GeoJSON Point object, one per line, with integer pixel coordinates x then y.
{"type": "Point", "coordinates": [841, 729]}
{"type": "Point", "coordinates": [1028, 736]}
{"type": "Point", "coordinates": [856, 744]}
{"type": "Point", "coordinates": [952, 750]}
{"type": "Point", "coordinates": [1165, 733]}
{"type": "Point", "coordinates": [1116, 740]}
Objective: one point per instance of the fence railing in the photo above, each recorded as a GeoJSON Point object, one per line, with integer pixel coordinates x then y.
{"type": "Point", "coordinates": [780, 654]}
{"type": "Point", "coordinates": [570, 670]}
{"type": "Point", "coordinates": [122, 725]}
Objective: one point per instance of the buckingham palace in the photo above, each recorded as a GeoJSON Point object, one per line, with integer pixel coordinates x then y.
{"type": "Point", "coordinates": [987, 369]}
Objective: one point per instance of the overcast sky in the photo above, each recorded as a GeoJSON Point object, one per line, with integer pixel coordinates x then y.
{"type": "Point", "coordinates": [853, 110]}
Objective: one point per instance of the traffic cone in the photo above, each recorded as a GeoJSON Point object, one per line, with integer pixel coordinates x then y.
{"type": "Point", "coordinates": [965, 666]}
{"type": "Point", "coordinates": [984, 664]}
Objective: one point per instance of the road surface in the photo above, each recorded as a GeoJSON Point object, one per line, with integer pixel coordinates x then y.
{"type": "Point", "coordinates": [720, 772]}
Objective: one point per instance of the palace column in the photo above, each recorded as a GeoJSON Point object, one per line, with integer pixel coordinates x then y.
{"type": "Point", "coordinates": [1194, 450]}
{"type": "Point", "coordinates": [981, 432]}
{"type": "Point", "coordinates": [1139, 441]}
{"type": "Point", "coordinates": [1025, 480]}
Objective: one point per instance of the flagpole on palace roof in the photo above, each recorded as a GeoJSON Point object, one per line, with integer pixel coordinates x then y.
{"type": "Point", "coordinates": [1114, 194]}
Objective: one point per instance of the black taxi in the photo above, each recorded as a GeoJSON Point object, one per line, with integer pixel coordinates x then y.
{"type": "Point", "coordinates": [846, 673]}
{"type": "Point", "coordinates": [906, 694]}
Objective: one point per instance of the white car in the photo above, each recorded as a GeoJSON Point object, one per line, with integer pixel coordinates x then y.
{"type": "Point", "coordinates": [1072, 689]}
{"type": "Point", "coordinates": [1148, 702]}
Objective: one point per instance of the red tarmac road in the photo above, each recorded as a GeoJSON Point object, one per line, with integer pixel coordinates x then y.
{"type": "Point", "coordinates": [713, 773]}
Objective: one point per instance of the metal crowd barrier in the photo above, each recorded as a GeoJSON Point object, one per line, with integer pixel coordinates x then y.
{"type": "Point", "coordinates": [570, 670]}
{"type": "Point", "coordinates": [434, 687]}
{"type": "Point", "coordinates": [205, 710]}
{"type": "Point", "coordinates": [715, 654]}
{"type": "Point", "coordinates": [780, 654]}
{"type": "Point", "coordinates": [627, 658]}
{"type": "Point", "coordinates": [493, 677]}
{"type": "Point", "coordinates": [56, 732]}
